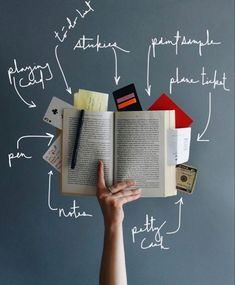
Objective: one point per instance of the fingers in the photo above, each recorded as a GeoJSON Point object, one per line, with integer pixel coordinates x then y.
{"type": "Point", "coordinates": [125, 193]}
{"type": "Point", "coordinates": [118, 190]}
{"type": "Point", "coordinates": [100, 178]}
{"type": "Point", "coordinates": [127, 199]}
{"type": "Point", "coordinates": [126, 196]}
{"type": "Point", "coordinates": [121, 186]}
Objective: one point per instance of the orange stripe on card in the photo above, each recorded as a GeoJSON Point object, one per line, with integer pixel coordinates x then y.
{"type": "Point", "coordinates": [127, 103]}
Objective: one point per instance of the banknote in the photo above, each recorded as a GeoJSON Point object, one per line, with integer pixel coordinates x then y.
{"type": "Point", "coordinates": [185, 178]}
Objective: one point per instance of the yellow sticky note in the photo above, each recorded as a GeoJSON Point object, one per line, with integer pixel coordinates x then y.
{"type": "Point", "coordinates": [91, 100]}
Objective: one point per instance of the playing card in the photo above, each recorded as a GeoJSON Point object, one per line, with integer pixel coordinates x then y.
{"type": "Point", "coordinates": [54, 113]}
{"type": "Point", "coordinates": [53, 154]}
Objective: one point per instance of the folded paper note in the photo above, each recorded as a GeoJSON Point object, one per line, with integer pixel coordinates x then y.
{"type": "Point", "coordinates": [182, 120]}
{"type": "Point", "coordinates": [178, 145]}
{"type": "Point", "coordinates": [91, 100]}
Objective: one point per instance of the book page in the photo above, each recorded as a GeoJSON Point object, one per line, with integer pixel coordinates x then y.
{"type": "Point", "coordinates": [96, 142]}
{"type": "Point", "coordinates": [140, 141]}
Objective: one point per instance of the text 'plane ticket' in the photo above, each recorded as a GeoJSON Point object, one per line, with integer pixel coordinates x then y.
{"type": "Point", "coordinates": [178, 145]}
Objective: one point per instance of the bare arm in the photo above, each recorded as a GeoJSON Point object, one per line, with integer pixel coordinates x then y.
{"type": "Point", "coordinates": [113, 267]}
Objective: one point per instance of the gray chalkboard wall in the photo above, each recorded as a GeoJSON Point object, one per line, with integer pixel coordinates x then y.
{"type": "Point", "coordinates": [39, 247]}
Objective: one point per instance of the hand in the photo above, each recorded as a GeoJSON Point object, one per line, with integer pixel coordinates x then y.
{"type": "Point", "coordinates": [113, 198]}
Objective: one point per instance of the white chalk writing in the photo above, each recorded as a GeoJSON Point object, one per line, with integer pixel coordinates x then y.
{"type": "Point", "coordinates": [36, 74]}
{"type": "Point", "coordinates": [12, 156]}
{"type": "Point", "coordinates": [74, 209]}
{"type": "Point", "coordinates": [181, 40]}
{"type": "Point", "coordinates": [199, 136]}
{"type": "Point", "coordinates": [178, 41]}
{"type": "Point", "coordinates": [68, 89]}
{"type": "Point", "coordinates": [71, 24]}
{"type": "Point", "coordinates": [47, 136]}
{"type": "Point", "coordinates": [204, 80]}
{"type": "Point", "coordinates": [148, 85]}
{"type": "Point", "coordinates": [180, 202]}
{"type": "Point", "coordinates": [95, 43]}
{"type": "Point", "coordinates": [153, 231]}
{"type": "Point", "coordinates": [28, 76]}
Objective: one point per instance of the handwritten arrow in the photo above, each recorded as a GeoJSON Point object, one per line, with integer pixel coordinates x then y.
{"type": "Point", "coordinates": [30, 105]}
{"type": "Point", "coordinates": [49, 192]}
{"type": "Point", "coordinates": [116, 77]}
{"type": "Point", "coordinates": [180, 202]}
{"type": "Point", "coordinates": [207, 124]}
{"type": "Point", "coordinates": [148, 89]}
{"type": "Point", "coordinates": [35, 136]}
{"type": "Point", "coordinates": [68, 89]}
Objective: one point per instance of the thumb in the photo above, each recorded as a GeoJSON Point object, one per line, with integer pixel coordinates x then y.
{"type": "Point", "coordinates": [100, 180]}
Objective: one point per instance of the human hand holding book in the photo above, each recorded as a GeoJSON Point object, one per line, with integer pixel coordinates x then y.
{"type": "Point", "coordinates": [113, 198]}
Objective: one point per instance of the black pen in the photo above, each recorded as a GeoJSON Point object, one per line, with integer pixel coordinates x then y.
{"type": "Point", "coordinates": [77, 139]}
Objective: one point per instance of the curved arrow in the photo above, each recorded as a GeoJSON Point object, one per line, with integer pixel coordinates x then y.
{"type": "Point", "coordinates": [49, 192]}
{"type": "Point", "coordinates": [180, 202]}
{"type": "Point", "coordinates": [207, 124]}
{"type": "Point", "coordinates": [116, 77]}
{"type": "Point", "coordinates": [148, 89]}
{"type": "Point", "coordinates": [32, 105]}
{"type": "Point", "coordinates": [68, 89]}
{"type": "Point", "coordinates": [35, 136]}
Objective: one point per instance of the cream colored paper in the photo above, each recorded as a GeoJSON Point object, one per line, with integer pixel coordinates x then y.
{"type": "Point", "coordinates": [91, 100]}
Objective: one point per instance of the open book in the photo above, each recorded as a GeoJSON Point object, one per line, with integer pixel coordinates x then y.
{"type": "Point", "coordinates": [132, 145]}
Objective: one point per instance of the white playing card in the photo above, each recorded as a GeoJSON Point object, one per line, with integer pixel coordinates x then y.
{"type": "Point", "coordinates": [53, 154]}
{"type": "Point", "coordinates": [54, 113]}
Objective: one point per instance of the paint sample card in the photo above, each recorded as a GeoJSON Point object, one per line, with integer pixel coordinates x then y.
{"type": "Point", "coordinates": [53, 154]}
{"type": "Point", "coordinates": [91, 100]}
{"type": "Point", "coordinates": [164, 102]}
{"type": "Point", "coordinates": [186, 178]}
{"type": "Point", "coordinates": [126, 99]}
{"type": "Point", "coordinates": [54, 113]}
{"type": "Point", "coordinates": [178, 145]}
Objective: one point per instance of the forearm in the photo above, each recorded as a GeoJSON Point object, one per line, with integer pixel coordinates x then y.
{"type": "Point", "coordinates": [112, 199]}
{"type": "Point", "coordinates": [113, 268]}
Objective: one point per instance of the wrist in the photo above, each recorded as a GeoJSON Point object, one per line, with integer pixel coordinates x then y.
{"type": "Point", "coordinates": [112, 227]}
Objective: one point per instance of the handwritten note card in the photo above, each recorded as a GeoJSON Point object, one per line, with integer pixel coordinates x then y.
{"type": "Point", "coordinates": [53, 154]}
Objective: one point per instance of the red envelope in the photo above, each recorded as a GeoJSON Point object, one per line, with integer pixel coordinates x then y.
{"type": "Point", "coordinates": [182, 120]}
